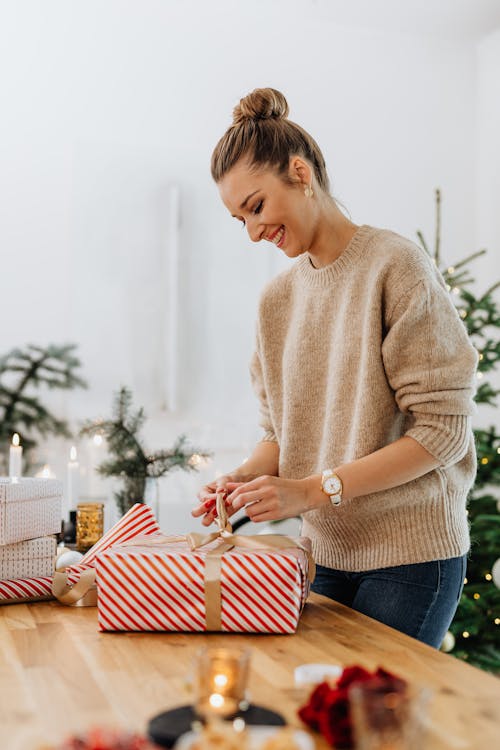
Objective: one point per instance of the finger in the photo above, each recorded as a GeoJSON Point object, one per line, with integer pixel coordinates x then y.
{"type": "Point", "coordinates": [203, 508]}
{"type": "Point", "coordinates": [267, 515]}
{"type": "Point", "coordinates": [246, 497]}
{"type": "Point", "coordinates": [254, 484]}
{"type": "Point", "coordinates": [209, 518]}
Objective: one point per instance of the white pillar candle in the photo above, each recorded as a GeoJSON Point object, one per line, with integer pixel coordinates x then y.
{"type": "Point", "coordinates": [73, 481]}
{"type": "Point", "coordinates": [15, 457]}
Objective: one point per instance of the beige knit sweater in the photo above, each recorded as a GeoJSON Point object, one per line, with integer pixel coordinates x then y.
{"type": "Point", "coordinates": [351, 357]}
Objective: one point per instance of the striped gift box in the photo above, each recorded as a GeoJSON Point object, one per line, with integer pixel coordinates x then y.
{"type": "Point", "coordinates": [138, 521]}
{"type": "Point", "coordinates": [162, 587]}
{"type": "Point", "coordinates": [25, 590]}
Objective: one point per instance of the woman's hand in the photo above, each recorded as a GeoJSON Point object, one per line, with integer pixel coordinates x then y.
{"type": "Point", "coordinates": [272, 498]}
{"type": "Point", "coordinates": [207, 497]}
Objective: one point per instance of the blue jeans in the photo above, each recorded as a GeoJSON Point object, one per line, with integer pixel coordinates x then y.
{"type": "Point", "coordinates": [419, 600]}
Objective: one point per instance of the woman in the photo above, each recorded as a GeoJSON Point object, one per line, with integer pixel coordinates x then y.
{"type": "Point", "coordinates": [365, 376]}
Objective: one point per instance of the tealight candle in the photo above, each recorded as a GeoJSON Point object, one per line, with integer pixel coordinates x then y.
{"type": "Point", "coordinates": [15, 457]}
{"type": "Point", "coordinates": [222, 675]}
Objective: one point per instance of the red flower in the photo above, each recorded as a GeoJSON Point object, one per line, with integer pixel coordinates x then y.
{"type": "Point", "coordinates": [327, 710]}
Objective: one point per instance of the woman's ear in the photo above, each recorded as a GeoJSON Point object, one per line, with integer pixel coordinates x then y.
{"type": "Point", "coordinates": [299, 171]}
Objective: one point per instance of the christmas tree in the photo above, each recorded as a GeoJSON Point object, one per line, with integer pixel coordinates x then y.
{"type": "Point", "coordinates": [22, 373]}
{"type": "Point", "coordinates": [129, 460]}
{"type": "Point", "coordinates": [475, 632]}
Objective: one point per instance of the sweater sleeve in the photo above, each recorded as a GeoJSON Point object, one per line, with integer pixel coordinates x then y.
{"type": "Point", "coordinates": [431, 366]}
{"type": "Point", "coordinates": [257, 378]}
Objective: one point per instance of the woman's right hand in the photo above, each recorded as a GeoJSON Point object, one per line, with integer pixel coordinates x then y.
{"type": "Point", "coordinates": [207, 497]}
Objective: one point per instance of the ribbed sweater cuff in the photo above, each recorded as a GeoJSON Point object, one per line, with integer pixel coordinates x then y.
{"type": "Point", "coordinates": [269, 437]}
{"type": "Point", "coordinates": [446, 437]}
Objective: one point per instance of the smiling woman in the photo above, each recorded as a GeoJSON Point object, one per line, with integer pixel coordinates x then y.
{"type": "Point", "coordinates": [366, 379]}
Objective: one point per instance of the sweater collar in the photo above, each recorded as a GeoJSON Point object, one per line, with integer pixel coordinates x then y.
{"type": "Point", "coordinates": [323, 277]}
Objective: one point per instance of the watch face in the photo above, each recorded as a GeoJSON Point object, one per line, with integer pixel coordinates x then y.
{"type": "Point", "coordinates": [332, 485]}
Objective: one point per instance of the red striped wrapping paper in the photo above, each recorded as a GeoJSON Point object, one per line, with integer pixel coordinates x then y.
{"type": "Point", "coordinates": [138, 521]}
{"type": "Point", "coordinates": [162, 588]}
{"type": "Point", "coordinates": [25, 589]}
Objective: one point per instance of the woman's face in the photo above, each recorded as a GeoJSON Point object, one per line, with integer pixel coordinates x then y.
{"type": "Point", "coordinates": [271, 209]}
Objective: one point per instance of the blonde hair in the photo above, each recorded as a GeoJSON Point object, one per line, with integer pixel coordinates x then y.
{"type": "Point", "coordinates": [262, 133]}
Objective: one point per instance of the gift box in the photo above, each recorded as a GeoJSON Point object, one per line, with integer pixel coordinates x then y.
{"type": "Point", "coordinates": [29, 508]}
{"type": "Point", "coordinates": [230, 583]}
{"type": "Point", "coordinates": [25, 590]}
{"type": "Point", "coordinates": [30, 559]}
{"type": "Point", "coordinates": [72, 584]}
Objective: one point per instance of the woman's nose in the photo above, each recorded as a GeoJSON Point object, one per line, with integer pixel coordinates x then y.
{"type": "Point", "coordinates": [255, 230]}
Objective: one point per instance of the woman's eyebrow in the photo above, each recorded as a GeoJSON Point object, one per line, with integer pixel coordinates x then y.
{"type": "Point", "coordinates": [248, 198]}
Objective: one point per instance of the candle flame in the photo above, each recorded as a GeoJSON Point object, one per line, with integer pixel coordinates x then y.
{"type": "Point", "coordinates": [220, 680]}
{"type": "Point", "coordinates": [15, 439]}
{"type": "Point", "coordinates": [72, 454]}
{"type": "Point", "coordinates": [216, 700]}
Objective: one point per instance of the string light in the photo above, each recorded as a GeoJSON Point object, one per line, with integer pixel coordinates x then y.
{"type": "Point", "coordinates": [481, 356]}
{"type": "Point", "coordinates": [498, 450]}
{"type": "Point", "coordinates": [465, 581]}
{"type": "Point", "coordinates": [451, 270]}
{"type": "Point", "coordinates": [465, 634]}
{"type": "Point", "coordinates": [484, 461]}
{"type": "Point", "coordinates": [497, 620]}
{"type": "Point", "coordinates": [477, 596]}
{"type": "Point", "coordinates": [448, 287]}
{"type": "Point", "coordinates": [456, 290]}
{"type": "Point", "coordinates": [488, 576]}
{"type": "Point", "coordinates": [463, 314]}
{"type": "Point", "coordinates": [480, 375]}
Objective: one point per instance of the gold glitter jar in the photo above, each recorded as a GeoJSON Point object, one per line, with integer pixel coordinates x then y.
{"type": "Point", "coordinates": [89, 524]}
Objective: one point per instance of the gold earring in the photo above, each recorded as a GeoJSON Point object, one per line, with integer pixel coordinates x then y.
{"type": "Point", "coordinates": [308, 191]}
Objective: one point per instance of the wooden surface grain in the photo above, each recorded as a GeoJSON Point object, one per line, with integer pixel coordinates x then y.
{"type": "Point", "coordinates": [59, 675]}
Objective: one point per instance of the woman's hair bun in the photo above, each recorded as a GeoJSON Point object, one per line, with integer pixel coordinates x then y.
{"type": "Point", "coordinates": [261, 104]}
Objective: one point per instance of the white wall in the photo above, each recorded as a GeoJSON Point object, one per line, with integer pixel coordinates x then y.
{"type": "Point", "coordinates": [488, 179]}
{"type": "Point", "coordinates": [106, 104]}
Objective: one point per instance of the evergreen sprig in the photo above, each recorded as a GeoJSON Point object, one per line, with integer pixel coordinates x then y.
{"type": "Point", "coordinates": [22, 372]}
{"type": "Point", "coordinates": [129, 460]}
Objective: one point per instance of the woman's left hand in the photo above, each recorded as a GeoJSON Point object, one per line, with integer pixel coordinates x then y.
{"type": "Point", "coordinates": [272, 498]}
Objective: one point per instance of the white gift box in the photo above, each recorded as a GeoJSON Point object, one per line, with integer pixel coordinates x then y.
{"type": "Point", "coordinates": [29, 508]}
{"type": "Point", "coordinates": [31, 559]}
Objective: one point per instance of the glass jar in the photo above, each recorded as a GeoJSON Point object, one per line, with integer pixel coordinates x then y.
{"type": "Point", "coordinates": [89, 525]}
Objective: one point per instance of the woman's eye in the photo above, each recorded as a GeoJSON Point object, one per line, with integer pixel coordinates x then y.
{"type": "Point", "coordinates": [258, 207]}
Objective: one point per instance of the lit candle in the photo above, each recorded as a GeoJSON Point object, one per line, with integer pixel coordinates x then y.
{"type": "Point", "coordinates": [15, 457]}
{"type": "Point", "coordinates": [73, 477]}
{"type": "Point", "coordinates": [221, 681]}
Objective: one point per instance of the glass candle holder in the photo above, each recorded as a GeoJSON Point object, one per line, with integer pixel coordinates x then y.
{"type": "Point", "coordinates": [385, 718]}
{"type": "Point", "coordinates": [89, 525]}
{"type": "Point", "coordinates": [221, 682]}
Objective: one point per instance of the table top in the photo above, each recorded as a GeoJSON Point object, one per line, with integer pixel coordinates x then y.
{"type": "Point", "coordinates": [59, 674]}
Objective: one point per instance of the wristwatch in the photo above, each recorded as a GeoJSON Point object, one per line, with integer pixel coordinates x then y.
{"type": "Point", "coordinates": [331, 484]}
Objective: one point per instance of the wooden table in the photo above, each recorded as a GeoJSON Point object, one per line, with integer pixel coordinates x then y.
{"type": "Point", "coordinates": [58, 674]}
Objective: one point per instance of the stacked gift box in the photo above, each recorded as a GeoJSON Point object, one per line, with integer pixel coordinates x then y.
{"type": "Point", "coordinates": [30, 517]}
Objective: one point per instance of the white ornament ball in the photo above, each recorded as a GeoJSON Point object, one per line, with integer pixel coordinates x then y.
{"type": "Point", "coordinates": [65, 559]}
{"type": "Point", "coordinates": [448, 643]}
{"type": "Point", "coordinates": [495, 572]}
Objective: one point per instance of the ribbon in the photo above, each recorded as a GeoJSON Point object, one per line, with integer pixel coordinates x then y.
{"type": "Point", "coordinates": [81, 594]}
{"type": "Point", "coordinates": [213, 560]}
